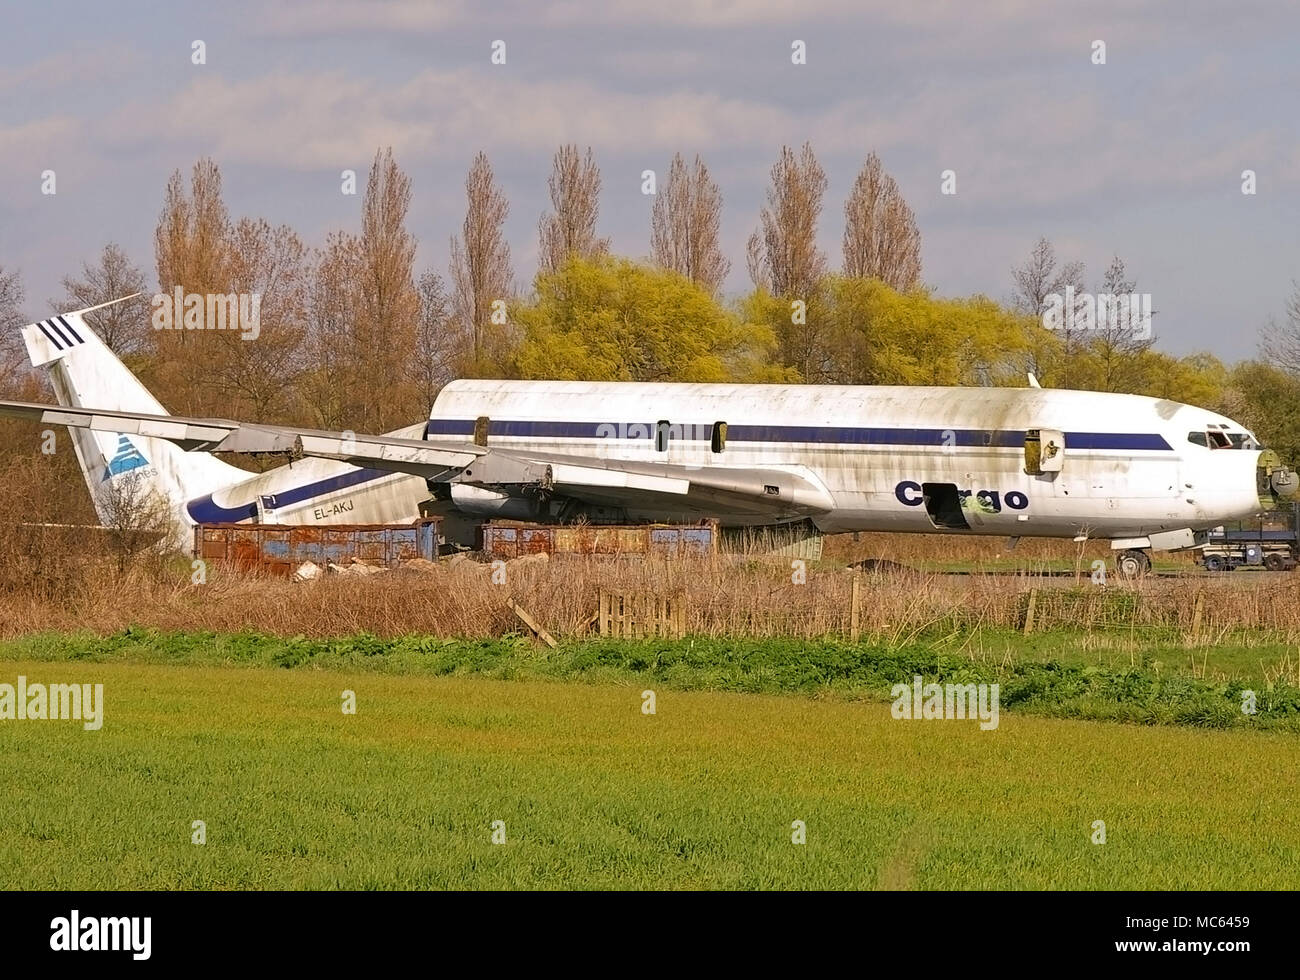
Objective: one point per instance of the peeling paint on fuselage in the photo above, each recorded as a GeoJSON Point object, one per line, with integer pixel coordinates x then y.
{"type": "Point", "coordinates": [1115, 492]}
{"type": "Point", "coordinates": [1105, 492]}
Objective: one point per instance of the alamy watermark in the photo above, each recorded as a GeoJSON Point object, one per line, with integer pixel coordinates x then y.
{"type": "Point", "coordinates": [78, 933]}
{"type": "Point", "coordinates": [1126, 314]}
{"type": "Point", "coordinates": [676, 431]}
{"type": "Point", "coordinates": [919, 701]}
{"type": "Point", "coordinates": [180, 310]}
{"type": "Point", "coordinates": [53, 702]}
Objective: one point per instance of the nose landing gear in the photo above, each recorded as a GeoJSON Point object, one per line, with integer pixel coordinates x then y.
{"type": "Point", "coordinates": [1133, 563]}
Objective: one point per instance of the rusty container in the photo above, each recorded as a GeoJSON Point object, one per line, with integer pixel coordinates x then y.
{"type": "Point", "coordinates": [281, 548]}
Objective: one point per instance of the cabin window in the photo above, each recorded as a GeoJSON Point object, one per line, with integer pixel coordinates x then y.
{"type": "Point", "coordinates": [1218, 440]}
{"type": "Point", "coordinates": [661, 435]}
{"type": "Point", "coordinates": [1198, 439]}
{"type": "Point", "coordinates": [718, 441]}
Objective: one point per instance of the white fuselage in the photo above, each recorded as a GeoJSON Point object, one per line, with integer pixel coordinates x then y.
{"type": "Point", "coordinates": [1132, 465]}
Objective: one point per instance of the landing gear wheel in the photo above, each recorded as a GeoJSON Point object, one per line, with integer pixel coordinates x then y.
{"type": "Point", "coordinates": [1133, 563]}
{"type": "Point", "coordinates": [1274, 563]}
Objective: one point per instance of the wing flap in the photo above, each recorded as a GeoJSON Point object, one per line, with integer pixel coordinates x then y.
{"type": "Point", "coordinates": [771, 492]}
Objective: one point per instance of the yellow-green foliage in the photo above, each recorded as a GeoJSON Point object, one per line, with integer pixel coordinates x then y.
{"type": "Point", "coordinates": [1268, 400]}
{"type": "Point", "coordinates": [860, 331]}
{"type": "Point", "coordinates": [612, 319]}
{"type": "Point", "coordinates": [595, 794]}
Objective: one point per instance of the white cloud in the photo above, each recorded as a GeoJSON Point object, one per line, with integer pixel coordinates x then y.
{"type": "Point", "coordinates": [308, 18]}
{"type": "Point", "coordinates": [1030, 146]}
{"type": "Point", "coordinates": [326, 120]}
{"type": "Point", "coordinates": [68, 68]}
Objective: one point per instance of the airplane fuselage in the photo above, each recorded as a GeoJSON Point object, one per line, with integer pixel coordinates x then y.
{"type": "Point", "coordinates": [885, 458]}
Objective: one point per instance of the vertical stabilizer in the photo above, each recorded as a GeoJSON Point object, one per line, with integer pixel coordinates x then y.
{"type": "Point", "coordinates": [84, 372]}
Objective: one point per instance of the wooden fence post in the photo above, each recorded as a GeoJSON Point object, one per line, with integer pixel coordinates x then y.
{"type": "Point", "coordinates": [855, 622]}
{"type": "Point", "coordinates": [1029, 612]}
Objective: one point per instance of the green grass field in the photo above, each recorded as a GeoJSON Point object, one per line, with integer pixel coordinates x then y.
{"type": "Point", "coordinates": [595, 794]}
{"type": "Point", "coordinates": [1066, 674]}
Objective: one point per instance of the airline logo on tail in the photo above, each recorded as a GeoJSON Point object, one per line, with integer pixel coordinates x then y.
{"type": "Point", "coordinates": [60, 333]}
{"type": "Point", "coordinates": [126, 458]}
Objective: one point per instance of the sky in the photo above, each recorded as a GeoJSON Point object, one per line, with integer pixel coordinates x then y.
{"type": "Point", "coordinates": [1140, 157]}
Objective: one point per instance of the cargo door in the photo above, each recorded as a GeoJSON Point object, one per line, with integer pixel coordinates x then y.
{"type": "Point", "coordinates": [943, 504]}
{"type": "Point", "coordinates": [1044, 451]}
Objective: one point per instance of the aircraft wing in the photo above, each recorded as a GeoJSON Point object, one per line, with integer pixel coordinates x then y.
{"type": "Point", "coordinates": [428, 459]}
{"type": "Point", "coordinates": [768, 492]}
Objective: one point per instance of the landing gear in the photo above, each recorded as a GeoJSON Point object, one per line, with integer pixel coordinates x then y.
{"type": "Point", "coordinates": [1133, 563]}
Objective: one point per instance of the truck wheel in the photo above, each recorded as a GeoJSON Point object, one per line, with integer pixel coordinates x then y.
{"type": "Point", "coordinates": [1274, 563]}
{"type": "Point", "coordinates": [1213, 563]}
{"type": "Point", "coordinates": [1133, 563]}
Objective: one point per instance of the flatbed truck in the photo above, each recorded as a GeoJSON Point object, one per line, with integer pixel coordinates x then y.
{"type": "Point", "coordinates": [1264, 544]}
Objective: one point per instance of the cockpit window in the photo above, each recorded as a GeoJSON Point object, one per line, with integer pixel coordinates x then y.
{"type": "Point", "coordinates": [1216, 438]}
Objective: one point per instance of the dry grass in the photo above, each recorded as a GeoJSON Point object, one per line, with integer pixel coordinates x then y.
{"type": "Point", "coordinates": [61, 579]}
{"type": "Point", "coordinates": [725, 598]}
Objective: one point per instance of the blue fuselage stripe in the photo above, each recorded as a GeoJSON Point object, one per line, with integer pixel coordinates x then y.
{"type": "Point", "coordinates": [835, 435]}
{"type": "Point", "coordinates": [205, 510]}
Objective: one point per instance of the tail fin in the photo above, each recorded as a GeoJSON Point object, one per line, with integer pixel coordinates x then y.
{"type": "Point", "coordinates": [85, 373]}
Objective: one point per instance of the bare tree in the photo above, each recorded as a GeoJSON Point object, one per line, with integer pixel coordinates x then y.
{"type": "Point", "coordinates": [433, 363]}
{"type": "Point", "coordinates": [1039, 278]}
{"type": "Point", "coordinates": [684, 225]}
{"type": "Point", "coordinates": [11, 298]}
{"type": "Point", "coordinates": [192, 234]}
{"type": "Point", "coordinates": [123, 327]}
{"type": "Point", "coordinates": [1281, 341]}
{"type": "Point", "coordinates": [1122, 333]}
{"type": "Point", "coordinates": [786, 256]}
{"type": "Point", "coordinates": [388, 304]}
{"type": "Point", "coordinates": [333, 301]}
{"type": "Point", "coordinates": [171, 237]}
{"type": "Point", "coordinates": [1037, 281]}
{"type": "Point", "coordinates": [192, 245]}
{"type": "Point", "coordinates": [12, 354]}
{"type": "Point", "coordinates": [362, 307]}
{"type": "Point", "coordinates": [575, 195]}
{"type": "Point", "coordinates": [881, 240]}
{"type": "Point", "coordinates": [480, 259]}
{"type": "Point", "coordinates": [137, 519]}
{"type": "Point", "coordinates": [756, 262]}
{"type": "Point", "coordinates": [259, 376]}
